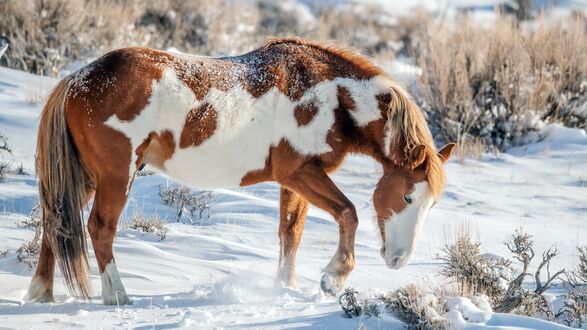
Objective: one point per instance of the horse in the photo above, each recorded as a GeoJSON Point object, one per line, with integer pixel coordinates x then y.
{"type": "Point", "coordinates": [289, 112]}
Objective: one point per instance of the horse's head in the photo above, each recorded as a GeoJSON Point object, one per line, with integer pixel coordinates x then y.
{"type": "Point", "coordinates": [402, 199]}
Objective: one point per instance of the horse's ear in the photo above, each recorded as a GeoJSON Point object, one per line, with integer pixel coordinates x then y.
{"type": "Point", "coordinates": [417, 155]}
{"type": "Point", "coordinates": [446, 151]}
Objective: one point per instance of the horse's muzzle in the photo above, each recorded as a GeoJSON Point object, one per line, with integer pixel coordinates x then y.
{"type": "Point", "coordinates": [395, 260]}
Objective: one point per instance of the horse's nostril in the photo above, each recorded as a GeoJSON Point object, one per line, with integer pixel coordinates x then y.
{"type": "Point", "coordinates": [396, 260]}
{"type": "Point", "coordinates": [382, 251]}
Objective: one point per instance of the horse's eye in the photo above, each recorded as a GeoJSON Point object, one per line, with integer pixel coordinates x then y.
{"type": "Point", "coordinates": [408, 199]}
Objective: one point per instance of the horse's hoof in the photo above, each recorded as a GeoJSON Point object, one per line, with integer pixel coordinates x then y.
{"type": "Point", "coordinates": [46, 298]}
{"type": "Point", "coordinates": [330, 284]}
{"type": "Point", "coordinates": [119, 300]}
{"type": "Point", "coordinates": [38, 293]}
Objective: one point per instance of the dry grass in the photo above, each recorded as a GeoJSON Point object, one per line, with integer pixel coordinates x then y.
{"type": "Point", "coordinates": [501, 82]}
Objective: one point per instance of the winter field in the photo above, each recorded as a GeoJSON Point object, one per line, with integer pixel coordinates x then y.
{"type": "Point", "coordinates": [218, 270]}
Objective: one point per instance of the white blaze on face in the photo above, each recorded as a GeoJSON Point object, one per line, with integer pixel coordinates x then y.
{"type": "Point", "coordinates": [402, 229]}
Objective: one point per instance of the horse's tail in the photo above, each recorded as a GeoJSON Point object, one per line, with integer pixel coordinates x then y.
{"type": "Point", "coordinates": [62, 182]}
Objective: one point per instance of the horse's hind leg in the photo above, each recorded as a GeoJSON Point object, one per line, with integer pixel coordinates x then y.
{"type": "Point", "coordinates": [41, 287]}
{"type": "Point", "coordinates": [292, 216]}
{"type": "Point", "coordinates": [110, 198]}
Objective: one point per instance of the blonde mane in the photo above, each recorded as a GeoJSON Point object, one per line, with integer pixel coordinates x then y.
{"type": "Point", "coordinates": [408, 127]}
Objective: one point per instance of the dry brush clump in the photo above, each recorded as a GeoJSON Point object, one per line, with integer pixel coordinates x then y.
{"type": "Point", "coordinates": [28, 252]}
{"type": "Point", "coordinates": [519, 298]}
{"type": "Point", "coordinates": [573, 313]}
{"type": "Point", "coordinates": [153, 224]}
{"type": "Point", "coordinates": [5, 151]}
{"type": "Point", "coordinates": [501, 83]}
{"type": "Point", "coordinates": [414, 307]}
{"type": "Point", "coordinates": [183, 199]}
{"type": "Point", "coordinates": [44, 36]}
{"type": "Point", "coordinates": [472, 271]}
{"type": "Point", "coordinates": [486, 283]}
{"type": "Point", "coordinates": [493, 277]}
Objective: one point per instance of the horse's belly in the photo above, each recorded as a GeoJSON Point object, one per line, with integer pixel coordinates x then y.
{"type": "Point", "coordinates": [201, 169]}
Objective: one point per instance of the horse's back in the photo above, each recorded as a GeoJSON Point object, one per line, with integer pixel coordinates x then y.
{"type": "Point", "coordinates": [210, 121]}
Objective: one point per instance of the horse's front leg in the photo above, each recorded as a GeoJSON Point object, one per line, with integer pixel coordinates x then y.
{"type": "Point", "coordinates": [292, 216]}
{"type": "Point", "coordinates": [312, 183]}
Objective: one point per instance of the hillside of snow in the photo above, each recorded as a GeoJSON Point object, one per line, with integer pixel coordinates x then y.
{"type": "Point", "coordinates": [220, 272]}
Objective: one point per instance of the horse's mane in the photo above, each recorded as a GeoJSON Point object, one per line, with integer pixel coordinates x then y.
{"type": "Point", "coordinates": [402, 113]}
{"type": "Point", "coordinates": [405, 114]}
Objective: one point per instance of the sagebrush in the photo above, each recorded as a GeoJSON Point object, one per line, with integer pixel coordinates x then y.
{"type": "Point", "coordinates": [500, 84]}
{"type": "Point", "coordinates": [149, 224]}
{"type": "Point", "coordinates": [183, 199]}
{"type": "Point", "coordinates": [486, 282]}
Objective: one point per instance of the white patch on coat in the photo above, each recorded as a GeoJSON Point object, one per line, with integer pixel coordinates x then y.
{"type": "Point", "coordinates": [247, 127]}
{"type": "Point", "coordinates": [113, 292]}
{"type": "Point", "coordinates": [403, 229]}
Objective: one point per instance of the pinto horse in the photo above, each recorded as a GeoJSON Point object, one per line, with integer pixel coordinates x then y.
{"type": "Point", "coordinates": [287, 112]}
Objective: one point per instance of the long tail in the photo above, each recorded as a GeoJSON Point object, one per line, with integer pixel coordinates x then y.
{"type": "Point", "coordinates": [62, 182]}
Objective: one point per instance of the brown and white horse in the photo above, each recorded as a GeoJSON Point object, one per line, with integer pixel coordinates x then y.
{"type": "Point", "coordinates": [287, 112]}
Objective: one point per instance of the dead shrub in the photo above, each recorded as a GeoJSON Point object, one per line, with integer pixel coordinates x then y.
{"type": "Point", "coordinates": [184, 199]}
{"type": "Point", "coordinates": [473, 272]}
{"type": "Point", "coordinates": [494, 276]}
{"type": "Point", "coordinates": [410, 304]}
{"type": "Point", "coordinates": [28, 253]}
{"type": "Point", "coordinates": [578, 276]}
{"type": "Point", "coordinates": [519, 298]}
{"type": "Point", "coordinates": [5, 150]}
{"type": "Point", "coordinates": [573, 313]}
{"type": "Point", "coordinates": [153, 224]}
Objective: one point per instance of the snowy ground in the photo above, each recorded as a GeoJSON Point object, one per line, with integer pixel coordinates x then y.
{"type": "Point", "coordinates": [220, 273]}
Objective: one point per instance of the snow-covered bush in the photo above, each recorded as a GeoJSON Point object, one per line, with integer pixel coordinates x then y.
{"type": "Point", "coordinates": [417, 309]}
{"type": "Point", "coordinates": [480, 285]}
{"type": "Point", "coordinates": [473, 272]}
{"type": "Point", "coordinates": [573, 313]}
{"type": "Point", "coordinates": [184, 199]}
{"type": "Point", "coordinates": [153, 224]}
{"type": "Point", "coordinates": [494, 277]}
